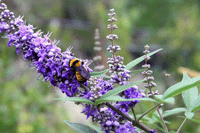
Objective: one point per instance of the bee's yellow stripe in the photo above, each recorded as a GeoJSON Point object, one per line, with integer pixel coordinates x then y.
{"type": "Point", "coordinates": [79, 76]}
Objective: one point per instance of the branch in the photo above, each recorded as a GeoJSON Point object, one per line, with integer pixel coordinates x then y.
{"type": "Point", "coordinates": [83, 86]}
{"type": "Point", "coordinates": [133, 111]}
{"type": "Point", "coordinates": [181, 125]}
{"type": "Point", "coordinates": [134, 123]}
{"type": "Point", "coordinates": [148, 111]}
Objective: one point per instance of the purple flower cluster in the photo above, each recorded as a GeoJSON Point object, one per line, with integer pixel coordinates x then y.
{"type": "Point", "coordinates": [98, 87]}
{"type": "Point", "coordinates": [98, 50]}
{"type": "Point", "coordinates": [132, 92]}
{"type": "Point", "coordinates": [109, 120]}
{"type": "Point", "coordinates": [127, 128]}
{"type": "Point", "coordinates": [106, 117]}
{"type": "Point", "coordinates": [152, 131]}
{"type": "Point", "coordinates": [117, 69]}
{"type": "Point", "coordinates": [147, 73]}
{"type": "Point", "coordinates": [48, 59]}
{"type": "Point", "coordinates": [5, 17]}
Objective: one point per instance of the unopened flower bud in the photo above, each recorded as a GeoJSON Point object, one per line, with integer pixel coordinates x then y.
{"type": "Point", "coordinates": [112, 10]}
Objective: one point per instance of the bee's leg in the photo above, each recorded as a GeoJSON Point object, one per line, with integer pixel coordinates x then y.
{"type": "Point", "coordinates": [85, 87]}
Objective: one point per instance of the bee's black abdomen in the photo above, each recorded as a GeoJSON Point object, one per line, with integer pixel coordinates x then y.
{"type": "Point", "coordinates": [83, 71]}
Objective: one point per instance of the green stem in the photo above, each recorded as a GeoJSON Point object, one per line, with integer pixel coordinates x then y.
{"type": "Point", "coordinates": [162, 119]}
{"type": "Point", "coordinates": [85, 87]}
{"type": "Point", "coordinates": [134, 123]}
{"type": "Point", "coordinates": [100, 112]}
{"type": "Point", "coordinates": [147, 112]}
{"type": "Point", "coordinates": [181, 125]}
{"type": "Point", "coordinates": [133, 111]}
{"type": "Point", "coordinates": [167, 131]}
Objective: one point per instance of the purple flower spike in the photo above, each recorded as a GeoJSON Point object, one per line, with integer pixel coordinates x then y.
{"type": "Point", "coordinates": [44, 54]}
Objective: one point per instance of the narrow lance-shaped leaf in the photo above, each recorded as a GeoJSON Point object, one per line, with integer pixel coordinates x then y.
{"type": "Point", "coordinates": [119, 89]}
{"type": "Point", "coordinates": [197, 104]}
{"type": "Point", "coordinates": [158, 127]}
{"type": "Point", "coordinates": [96, 128]}
{"type": "Point", "coordinates": [173, 111]}
{"type": "Point", "coordinates": [75, 99]}
{"type": "Point", "coordinates": [98, 74]}
{"type": "Point", "coordinates": [138, 60]}
{"type": "Point", "coordinates": [189, 114]}
{"type": "Point", "coordinates": [159, 120]}
{"type": "Point", "coordinates": [181, 86]}
{"type": "Point", "coordinates": [159, 98]}
{"type": "Point", "coordinates": [194, 120]}
{"type": "Point", "coordinates": [137, 71]}
{"type": "Point", "coordinates": [118, 98]}
{"type": "Point", "coordinates": [189, 96]}
{"type": "Point", "coordinates": [80, 128]}
{"type": "Point", "coordinates": [106, 77]}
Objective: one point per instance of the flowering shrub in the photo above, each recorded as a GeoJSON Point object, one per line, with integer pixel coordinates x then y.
{"type": "Point", "coordinates": [108, 100]}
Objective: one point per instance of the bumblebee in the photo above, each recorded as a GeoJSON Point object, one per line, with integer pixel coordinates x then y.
{"type": "Point", "coordinates": [167, 75]}
{"type": "Point", "coordinates": [82, 74]}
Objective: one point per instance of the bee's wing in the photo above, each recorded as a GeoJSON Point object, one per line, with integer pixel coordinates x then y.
{"type": "Point", "coordinates": [83, 72]}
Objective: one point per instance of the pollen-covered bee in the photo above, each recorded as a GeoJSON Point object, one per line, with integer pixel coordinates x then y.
{"type": "Point", "coordinates": [82, 74]}
{"type": "Point", "coordinates": [167, 75]}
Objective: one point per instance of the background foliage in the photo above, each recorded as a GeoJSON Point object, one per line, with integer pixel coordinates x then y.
{"type": "Point", "coordinates": [26, 103]}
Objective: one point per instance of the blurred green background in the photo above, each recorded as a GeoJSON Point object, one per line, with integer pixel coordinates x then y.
{"type": "Point", "coordinates": [26, 103]}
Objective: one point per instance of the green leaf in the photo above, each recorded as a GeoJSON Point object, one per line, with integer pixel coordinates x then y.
{"type": "Point", "coordinates": [174, 111]}
{"type": "Point", "coordinates": [96, 128]}
{"type": "Point", "coordinates": [138, 60]}
{"type": "Point", "coordinates": [76, 99]}
{"type": "Point", "coordinates": [153, 120]}
{"type": "Point", "coordinates": [144, 118]}
{"type": "Point", "coordinates": [158, 127]}
{"type": "Point", "coordinates": [197, 104]}
{"type": "Point", "coordinates": [98, 74]}
{"type": "Point", "coordinates": [189, 114]}
{"type": "Point", "coordinates": [137, 71]}
{"type": "Point", "coordinates": [119, 89]}
{"type": "Point", "coordinates": [159, 98]}
{"type": "Point", "coordinates": [80, 128]}
{"type": "Point", "coordinates": [181, 86]}
{"type": "Point", "coordinates": [194, 120]}
{"type": "Point", "coordinates": [118, 98]}
{"type": "Point", "coordinates": [170, 100]}
{"type": "Point", "coordinates": [159, 120]}
{"type": "Point", "coordinates": [189, 96]}
{"type": "Point", "coordinates": [106, 77]}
